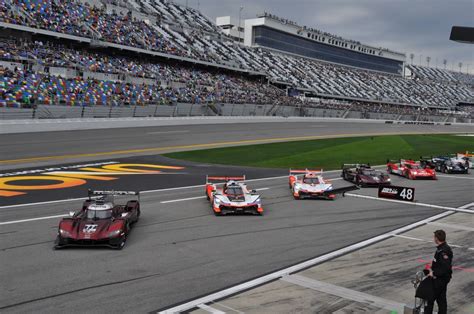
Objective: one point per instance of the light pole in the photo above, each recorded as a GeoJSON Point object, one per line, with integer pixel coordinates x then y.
{"type": "Point", "coordinates": [412, 55]}
{"type": "Point", "coordinates": [460, 66]}
{"type": "Point", "coordinates": [428, 59]}
{"type": "Point", "coordinates": [445, 62]}
{"type": "Point", "coordinates": [240, 23]}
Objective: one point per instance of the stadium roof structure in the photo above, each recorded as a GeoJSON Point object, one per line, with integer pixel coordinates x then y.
{"type": "Point", "coordinates": [462, 34]}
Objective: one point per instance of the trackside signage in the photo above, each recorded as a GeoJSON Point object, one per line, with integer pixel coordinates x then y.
{"type": "Point", "coordinates": [401, 193]}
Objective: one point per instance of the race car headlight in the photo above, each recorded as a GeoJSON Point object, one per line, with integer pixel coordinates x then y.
{"type": "Point", "coordinates": [114, 233]}
{"type": "Point", "coordinates": [64, 233]}
{"type": "Point", "coordinates": [217, 201]}
{"type": "Point", "coordinates": [449, 167]}
{"type": "Point", "coordinates": [415, 172]}
{"type": "Point", "coordinates": [296, 187]}
{"type": "Point", "coordinates": [388, 179]}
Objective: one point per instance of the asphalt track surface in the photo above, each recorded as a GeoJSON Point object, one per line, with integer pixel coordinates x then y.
{"type": "Point", "coordinates": [25, 150]}
{"type": "Point", "coordinates": [179, 250]}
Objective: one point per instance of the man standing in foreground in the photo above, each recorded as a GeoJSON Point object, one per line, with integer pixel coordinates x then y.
{"type": "Point", "coordinates": [441, 271]}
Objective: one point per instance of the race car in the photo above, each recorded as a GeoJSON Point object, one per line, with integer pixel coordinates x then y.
{"type": "Point", "coordinates": [100, 221]}
{"type": "Point", "coordinates": [430, 162]}
{"type": "Point", "coordinates": [468, 157]}
{"type": "Point", "coordinates": [364, 175]}
{"type": "Point", "coordinates": [410, 169]}
{"type": "Point", "coordinates": [452, 165]}
{"type": "Point", "coordinates": [233, 197]}
{"type": "Point", "coordinates": [311, 184]}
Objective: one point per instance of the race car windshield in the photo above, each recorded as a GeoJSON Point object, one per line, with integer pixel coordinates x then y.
{"type": "Point", "coordinates": [311, 180]}
{"type": "Point", "coordinates": [99, 214]}
{"type": "Point", "coordinates": [414, 167]}
{"type": "Point", "coordinates": [234, 191]}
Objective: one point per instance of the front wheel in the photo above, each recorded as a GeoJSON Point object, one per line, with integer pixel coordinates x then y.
{"type": "Point", "coordinates": [121, 244]}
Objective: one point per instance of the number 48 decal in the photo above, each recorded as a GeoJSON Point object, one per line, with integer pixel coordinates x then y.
{"type": "Point", "coordinates": [407, 194]}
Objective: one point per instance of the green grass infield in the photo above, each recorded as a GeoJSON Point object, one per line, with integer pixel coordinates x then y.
{"type": "Point", "coordinates": [331, 153]}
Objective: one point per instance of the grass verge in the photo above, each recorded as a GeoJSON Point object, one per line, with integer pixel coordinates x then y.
{"type": "Point", "coordinates": [331, 153]}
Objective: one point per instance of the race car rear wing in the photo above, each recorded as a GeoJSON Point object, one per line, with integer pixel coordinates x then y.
{"type": "Point", "coordinates": [466, 154]}
{"type": "Point", "coordinates": [305, 171]}
{"type": "Point", "coordinates": [211, 179]}
{"type": "Point", "coordinates": [347, 166]}
{"type": "Point", "coordinates": [92, 193]}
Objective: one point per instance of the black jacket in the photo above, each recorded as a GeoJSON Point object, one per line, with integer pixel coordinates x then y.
{"type": "Point", "coordinates": [442, 263]}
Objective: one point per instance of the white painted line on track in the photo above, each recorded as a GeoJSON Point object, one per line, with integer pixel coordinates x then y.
{"type": "Point", "coordinates": [452, 226]}
{"type": "Point", "coordinates": [31, 219]}
{"type": "Point", "coordinates": [210, 309]}
{"type": "Point", "coordinates": [298, 267]}
{"type": "Point", "coordinates": [428, 241]}
{"type": "Point", "coordinates": [198, 197]}
{"type": "Point", "coordinates": [228, 307]}
{"type": "Point", "coordinates": [182, 199]}
{"type": "Point", "coordinates": [151, 191]}
{"type": "Point", "coordinates": [44, 203]}
{"type": "Point", "coordinates": [454, 177]}
{"type": "Point", "coordinates": [412, 203]}
{"type": "Point", "coordinates": [345, 293]}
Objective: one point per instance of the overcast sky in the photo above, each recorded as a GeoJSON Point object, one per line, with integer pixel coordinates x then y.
{"type": "Point", "coordinates": [421, 27]}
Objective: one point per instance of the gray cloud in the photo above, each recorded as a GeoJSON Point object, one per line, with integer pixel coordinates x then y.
{"type": "Point", "coordinates": [421, 27]}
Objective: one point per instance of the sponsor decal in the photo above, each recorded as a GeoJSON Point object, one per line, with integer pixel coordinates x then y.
{"type": "Point", "coordinates": [397, 192]}
{"type": "Point", "coordinates": [19, 183]}
{"type": "Point", "coordinates": [89, 228]}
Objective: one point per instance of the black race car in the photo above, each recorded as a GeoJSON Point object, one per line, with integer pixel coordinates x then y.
{"type": "Point", "coordinates": [452, 166]}
{"type": "Point", "coordinates": [430, 161]}
{"type": "Point", "coordinates": [364, 175]}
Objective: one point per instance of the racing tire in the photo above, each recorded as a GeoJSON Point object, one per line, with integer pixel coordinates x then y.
{"type": "Point", "coordinates": [121, 244]}
{"type": "Point", "coordinates": [138, 216]}
{"type": "Point", "coordinates": [58, 243]}
{"type": "Point", "coordinates": [217, 214]}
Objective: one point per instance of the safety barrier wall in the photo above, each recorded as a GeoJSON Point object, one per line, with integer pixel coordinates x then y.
{"type": "Point", "coordinates": [188, 110]}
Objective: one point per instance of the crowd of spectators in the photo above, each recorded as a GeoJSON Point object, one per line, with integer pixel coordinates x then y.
{"type": "Point", "coordinates": [97, 20]}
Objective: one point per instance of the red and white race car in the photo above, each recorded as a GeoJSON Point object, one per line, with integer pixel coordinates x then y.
{"type": "Point", "coordinates": [311, 184]}
{"type": "Point", "coordinates": [233, 197]}
{"type": "Point", "coordinates": [467, 157]}
{"type": "Point", "coordinates": [410, 169]}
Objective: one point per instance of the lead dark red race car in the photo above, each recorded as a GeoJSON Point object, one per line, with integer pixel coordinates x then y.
{"type": "Point", "coordinates": [100, 222]}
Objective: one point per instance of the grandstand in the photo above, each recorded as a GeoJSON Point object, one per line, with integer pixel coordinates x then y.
{"type": "Point", "coordinates": [142, 52]}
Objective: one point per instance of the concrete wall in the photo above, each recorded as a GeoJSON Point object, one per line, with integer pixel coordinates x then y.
{"type": "Point", "coordinates": [196, 110]}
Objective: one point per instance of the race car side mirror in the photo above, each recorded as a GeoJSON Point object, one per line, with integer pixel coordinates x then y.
{"type": "Point", "coordinates": [71, 213]}
{"type": "Point", "coordinates": [253, 192]}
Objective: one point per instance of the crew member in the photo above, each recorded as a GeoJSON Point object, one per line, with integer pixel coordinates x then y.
{"type": "Point", "coordinates": [441, 271]}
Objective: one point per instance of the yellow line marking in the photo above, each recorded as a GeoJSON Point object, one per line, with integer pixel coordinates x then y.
{"type": "Point", "coordinates": [208, 145]}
